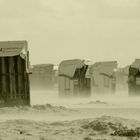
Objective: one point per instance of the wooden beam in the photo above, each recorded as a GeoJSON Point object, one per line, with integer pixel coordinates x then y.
{"type": "Point", "coordinates": [12, 77]}
{"type": "Point", "coordinates": [4, 79]}
{"type": "Point", "coordinates": [19, 78]}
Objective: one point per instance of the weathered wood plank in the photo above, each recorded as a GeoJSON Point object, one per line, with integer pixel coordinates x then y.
{"type": "Point", "coordinates": [3, 69]}
{"type": "Point", "coordinates": [12, 77]}
{"type": "Point", "coordinates": [20, 77]}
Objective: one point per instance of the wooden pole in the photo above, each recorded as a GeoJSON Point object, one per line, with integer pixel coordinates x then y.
{"type": "Point", "coordinates": [27, 89]}
{"type": "Point", "coordinates": [4, 79]}
{"type": "Point", "coordinates": [19, 78]}
{"type": "Point", "coordinates": [12, 77]}
{"type": "Point", "coordinates": [26, 80]}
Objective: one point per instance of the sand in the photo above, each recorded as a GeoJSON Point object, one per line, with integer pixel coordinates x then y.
{"type": "Point", "coordinates": [95, 118]}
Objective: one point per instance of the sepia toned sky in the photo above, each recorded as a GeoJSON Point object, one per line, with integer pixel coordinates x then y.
{"type": "Point", "coordinates": [99, 30]}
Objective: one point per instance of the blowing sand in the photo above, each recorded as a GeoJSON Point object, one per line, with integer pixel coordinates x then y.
{"type": "Point", "coordinates": [50, 118]}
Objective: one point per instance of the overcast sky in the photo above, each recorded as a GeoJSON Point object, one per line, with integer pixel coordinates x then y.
{"type": "Point", "coordinates": [99, 30]}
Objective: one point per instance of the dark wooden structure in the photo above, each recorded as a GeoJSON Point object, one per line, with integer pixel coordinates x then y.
{"type": "Point", "coordinates": [134, 78]}
{"type": "Point", "coordinates": [72, 79]}
{"type": "Point", "coordinates": [42, 77]}
{"type": "Point", "coordinates": [14, 76]}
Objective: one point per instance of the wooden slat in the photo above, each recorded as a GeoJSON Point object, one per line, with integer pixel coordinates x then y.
{"type": "Point", "coordinates": [25, 80]}
{"type": "Point", "coordinates": [19, 78]}
{"type": "Point", "coordinates": [4, 79]}
{"type": "Point", "coordinates": [12, 77]}
{"type": "Point", "coordinates": [28, 89]}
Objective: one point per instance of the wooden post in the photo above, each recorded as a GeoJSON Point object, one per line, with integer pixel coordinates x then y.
{"type": "Point", "coordinates": [4, 79]}
{"type": "Point", "coordinates": [26, 80]}
{"type": "Point", "coordinates": [27, 89]}
{"type": "Point", "coordinates": [12, 77]}
{"type": "Point", "coordinates": [20, 78]}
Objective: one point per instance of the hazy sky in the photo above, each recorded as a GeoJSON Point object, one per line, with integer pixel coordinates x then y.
{"type": "Point", "coordinates": [63, 29]}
